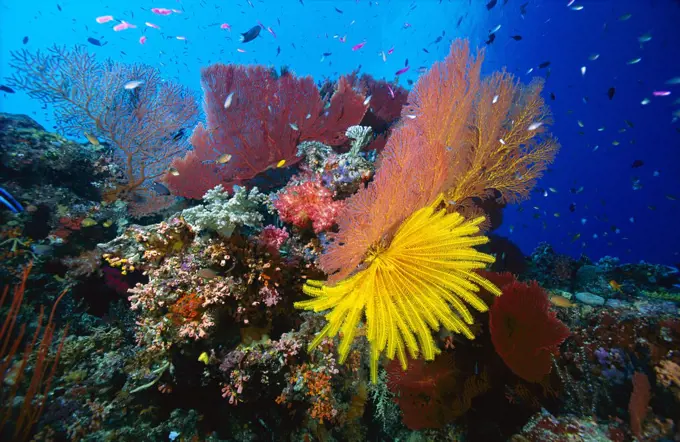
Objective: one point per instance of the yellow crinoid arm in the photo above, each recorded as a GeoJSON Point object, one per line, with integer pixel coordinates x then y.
{"type": "Point", "coordinates": [423, 280]}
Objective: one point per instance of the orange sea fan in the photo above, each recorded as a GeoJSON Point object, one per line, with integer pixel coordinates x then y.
{"type": "Point", "coordinates": [503, 149]}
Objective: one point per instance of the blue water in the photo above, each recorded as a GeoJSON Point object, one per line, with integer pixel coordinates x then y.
{"type": "Point", "coordinates": [619, 221]}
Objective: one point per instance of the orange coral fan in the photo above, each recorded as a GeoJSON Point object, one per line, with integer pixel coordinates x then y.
{"type": "Point", "coordinates": [524, 331]}
{"type": "Point", "coordinates": [504, 149]}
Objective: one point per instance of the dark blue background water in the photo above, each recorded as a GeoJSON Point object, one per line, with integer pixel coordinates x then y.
{"type": "Point", "coordinates": [619, 221]}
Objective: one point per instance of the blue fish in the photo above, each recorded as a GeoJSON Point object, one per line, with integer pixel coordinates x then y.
{"type": "Point", "coordinates": [8, 200]}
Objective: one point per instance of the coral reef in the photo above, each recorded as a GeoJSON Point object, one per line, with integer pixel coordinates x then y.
{"type": "Point", "coordinates": [367, 204]}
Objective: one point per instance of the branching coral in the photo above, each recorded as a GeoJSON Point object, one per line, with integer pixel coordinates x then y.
{"type": "Point", "coordinates": [223, 213]}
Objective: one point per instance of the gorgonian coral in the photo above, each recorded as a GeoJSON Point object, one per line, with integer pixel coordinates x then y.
{"type": "Point", "coordinates": [524, 331]}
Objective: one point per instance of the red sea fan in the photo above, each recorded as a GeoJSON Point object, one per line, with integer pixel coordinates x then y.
{"type": "Point", "coordinates": [387, 99]}
{"type": "Point", "coordinates": [258, 119]}
{"type": "Point", "coordinates": [524, 331]}
{"type": "Point", "coordinates": [422, 391]}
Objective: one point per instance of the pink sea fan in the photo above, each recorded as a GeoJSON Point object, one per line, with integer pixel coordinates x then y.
{"type": "Point", "coordinates": [309, 202]}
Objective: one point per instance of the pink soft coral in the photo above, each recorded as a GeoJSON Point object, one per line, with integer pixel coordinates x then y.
{"type": "Point", "coordinates": [272, 238]}
{"type": "Point", "coordinates": [309, 202]}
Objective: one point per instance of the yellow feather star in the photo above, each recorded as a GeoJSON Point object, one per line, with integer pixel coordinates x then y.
{"type": "Point", "coordinates": [408, 288]}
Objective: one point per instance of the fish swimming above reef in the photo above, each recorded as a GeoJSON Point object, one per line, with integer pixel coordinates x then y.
{"type": "Point", "coordinates": [251, 34]}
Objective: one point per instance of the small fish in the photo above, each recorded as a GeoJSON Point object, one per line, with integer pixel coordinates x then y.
{"type": "Point", "coordinates": [534, 126]}
{"type": "Point", "coordinates": [544, 65]}
{"type": "Point", "coordinates": [644, 38]}
{"type": "Point", "coordinates": [674, 80]}
{"type": "Point", "coordinates": [390, 50]}
{"type": "Point", "coordinates": [426, 51]}
{"type": "Point", "coordinates": [173, 171]}
{"type": "Point", "coordinates": [250, 35]}
{"type": "Point", "coordinates": [637, 163]}
{"type": "Point", "coordinates": [645, 101]}
{"type": "Point", "coordinates": [88, 222]}
{"type": "Point", "coordinates": [92, 139]}
{"type": "Point", "coordinates": [671, 197]}
{"type": "Point", "coordinates": [227, 102]}
{"type": "Point", "coordinates": [293, 126]}
{"type": "Point", "coordinates": [280, 164]}
{"type": "Point", "coordinates": [338, 11]}
{"type": "Point", "coordinates": [593, 57]}
{"type": "Point", "coordinates": [561, 301]}
{"type": "Point", "coordinates": [391, 91]}
{"type": "Point", "coordinates": [661, 93]}
{"type": "Point", "coordinates": [625, 17]}
{"type": "Point", "coordinates": [134, 84]}
{"type": "Point", "coordinates": [223, 159]}
{"type": "Point", "coordinates": [203, 358]}
{"type": "Point", "coordinates": [402, 70]}
{"type": "Point", "coordinates": [104, 19]}
{"type": "Point", "coordinates": [142, 39]}
{"type": "Point", "coordinates": [583, 71]}
{"type": "Point", "coordinates": [491, 4]}
{"type": "Point", "coordinates": [241, 50]}
{"type": "Point", "coordinates": [516, 37]}
{"type": "Point", "coordinates": [615, 285]}
{"type": "Point", "coordinates": [160, 188]}
{"type": "Point", "coordinates": [494, 30]}
{"type": "Point", "coordinates": [151, 25]}
{"type": "Point", "coordinates": [552, 96]}
{"type": "Point", "coordinates": [226, 26]}
{"type": "Point", "coordinates": [161, 11]}
{"type": "Point", "coordinates": [207, 273]}
{"type": "Point", "coordinates": [7, 89]}
{"type": "Point", "coordinates": [358, 46]}
{"type": "Point", "coordinates": [634, 60]}
{"type": "Point", "coordinates": [491, 39]}
{"type": "Point", "coordinates": [123, 25]}
{"type": "Point", "coordinates": [94, 41]}
{"type": "Point", "coordinates": [25, 40]}
{"type": "Point", "coordinates": [495, 99]}
{"type": "Point", "coordinates": [181, 37]}
{"type": "Point", "coordinates": [367, 100]}
{"type": "Point", "coordinates": [610, 92]}
{"type": "Point", "coordinates": [577, 8]}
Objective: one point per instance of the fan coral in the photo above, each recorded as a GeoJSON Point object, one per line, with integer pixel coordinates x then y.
{"type": "Point", "coordinates": [268, 117]}
{"type": "Point", "coordinates": [308, 203]}
{"type": "Point", "coordinates": [639, 403]}
{"type": "Point", "coordinates": [524, 331]}
{"type": "Point", "coordinates": [145, 124]}
{"type": "Point", "coordinates": [421, 391]}
{"type": "Point", "coordinates": [406, 287]}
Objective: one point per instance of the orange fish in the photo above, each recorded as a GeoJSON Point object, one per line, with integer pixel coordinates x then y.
{"type": "Point", "coordinates": [561, 301]}
{"type": "Point", "coordinates": [615, 285]}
